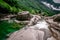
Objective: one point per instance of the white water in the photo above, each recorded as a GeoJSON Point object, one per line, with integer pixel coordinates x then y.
{"type": "Point", "coordinates": [41, 25]}
{"type": "Point", "coordinates": [51, 6]}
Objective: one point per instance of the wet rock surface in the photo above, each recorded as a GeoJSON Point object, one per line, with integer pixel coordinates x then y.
{"type": "Point", "coordinates": [37, 27]}
{"type": "Point", "coordinates": [42, 30]}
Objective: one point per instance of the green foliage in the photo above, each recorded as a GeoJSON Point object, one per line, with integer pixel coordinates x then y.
{"type": "Point", "coordinates": [6, 28]}
{"type": "Point", "coordinates": [33, 6]}
{"type": "Point", "coordinates": [6, 6]}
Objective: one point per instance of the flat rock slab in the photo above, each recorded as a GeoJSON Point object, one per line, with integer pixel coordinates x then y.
{"type": "Point", "coordinates": [28, 34]}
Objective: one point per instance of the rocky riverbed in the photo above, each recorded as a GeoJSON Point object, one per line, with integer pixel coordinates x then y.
{"type": "Point", "coordinates": [39, 28]}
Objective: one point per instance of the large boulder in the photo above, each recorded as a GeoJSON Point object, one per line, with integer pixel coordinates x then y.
{"type": "Point", "coordinates": [57, 18]}
{"type": "Point", "coordinates": [22, 16]}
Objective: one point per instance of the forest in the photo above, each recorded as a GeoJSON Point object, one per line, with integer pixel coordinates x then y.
{"type": "Point", "coordinates": [22, 10]}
